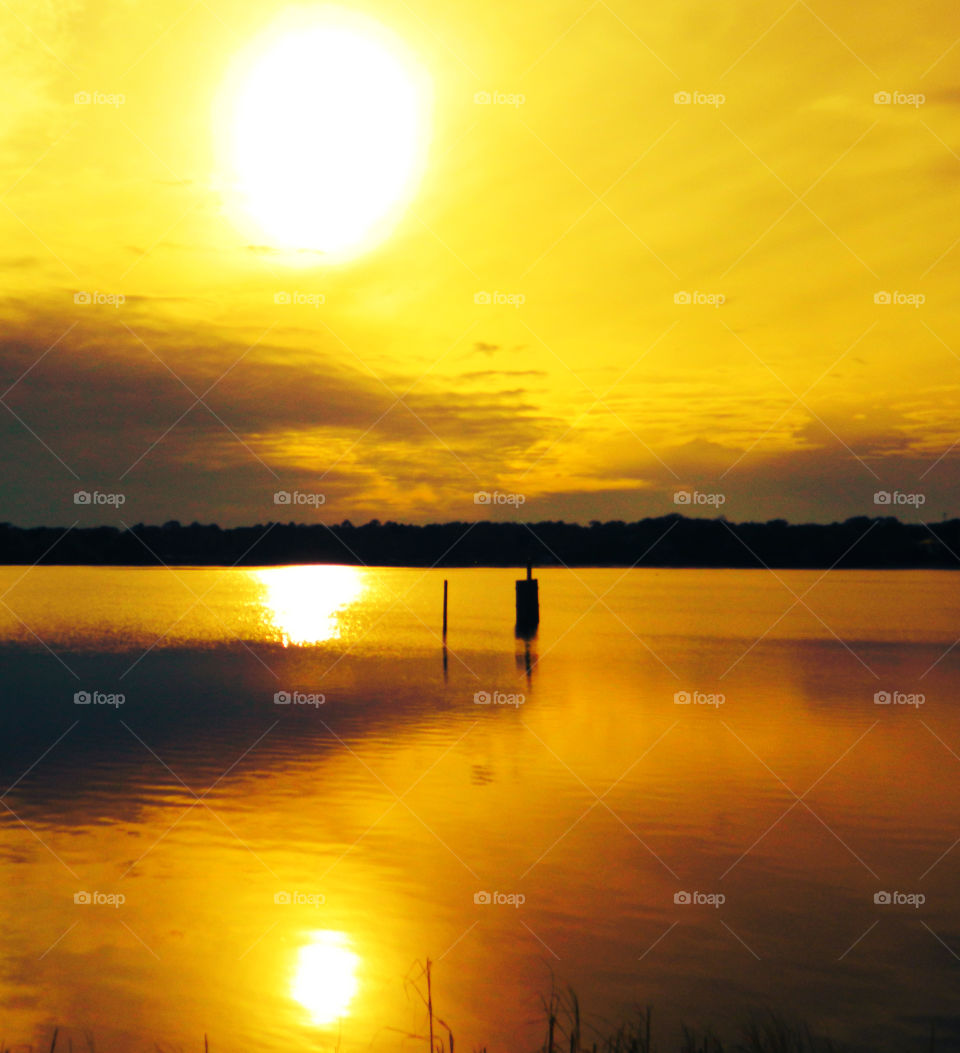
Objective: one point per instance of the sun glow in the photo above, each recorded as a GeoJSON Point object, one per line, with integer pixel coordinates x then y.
{"type": "Point", "coordinates": [327, 134]}
{"type": "Point", "coordinates": [326, 978]}
{"type": "Point", "coordinates": [305, 604]}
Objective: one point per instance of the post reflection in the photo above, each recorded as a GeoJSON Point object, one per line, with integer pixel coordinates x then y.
{"type": "Point", "coordinates": [527, 659]}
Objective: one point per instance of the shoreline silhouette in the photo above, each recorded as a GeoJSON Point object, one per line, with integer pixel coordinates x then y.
{"type": "Point", "coordinates": [666, 541]}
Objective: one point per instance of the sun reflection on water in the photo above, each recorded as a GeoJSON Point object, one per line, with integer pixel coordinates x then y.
{"type": "Point", "coordinates": [305, 604]}
{"type": "Point", "coordinates": [325, 981]}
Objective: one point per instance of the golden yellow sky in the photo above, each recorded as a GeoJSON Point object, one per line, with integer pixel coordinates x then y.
{"type": "Point", "coordinates": [783, 188]}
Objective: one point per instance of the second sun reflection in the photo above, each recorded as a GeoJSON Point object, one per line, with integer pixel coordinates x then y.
{"type": "Point", "coordinates": [325, 978]}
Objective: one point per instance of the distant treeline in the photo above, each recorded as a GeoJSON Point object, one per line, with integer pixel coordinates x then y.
{"type": "Point", "coordinates": [668, 541]}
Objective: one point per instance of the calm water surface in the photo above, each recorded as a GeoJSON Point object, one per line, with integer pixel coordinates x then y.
{"type": "Point", "coordinates": [284, 868]}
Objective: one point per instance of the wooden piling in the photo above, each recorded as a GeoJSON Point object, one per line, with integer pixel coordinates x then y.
{"type": "Point", "coordinates": [444, 607]}
{"type": "Point", "coordinates": [528, 602]}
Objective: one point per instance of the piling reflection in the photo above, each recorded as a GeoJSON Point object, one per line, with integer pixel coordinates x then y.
{"type": "Point", "coordinates": [526, 658]}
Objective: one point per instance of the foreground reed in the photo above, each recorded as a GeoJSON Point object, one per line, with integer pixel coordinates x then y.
{"type": "Point", "coordinates": [567, 1032]}
{"type": "Point", "coordinates": [769, 1033]}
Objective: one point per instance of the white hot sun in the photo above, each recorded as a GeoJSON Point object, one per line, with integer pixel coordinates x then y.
{"type": "Point", "coordinates": [327, 134]}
